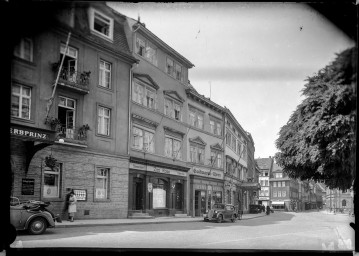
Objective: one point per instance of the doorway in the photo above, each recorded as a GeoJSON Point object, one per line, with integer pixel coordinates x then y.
{"type": "Point", "coordinates": [200, 202]}
{"type": "Point", "coordinates": [137, 194]}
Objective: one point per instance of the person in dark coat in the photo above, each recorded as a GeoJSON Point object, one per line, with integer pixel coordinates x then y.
{"type": "Point", "coordinates": [268, 210]}
{"type": "Point", "coordinates": [66, 207]}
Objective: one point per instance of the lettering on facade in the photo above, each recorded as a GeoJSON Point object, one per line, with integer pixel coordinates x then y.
{"type": "Point", "coordinates": [165, 171]}
{"type": "Point", "coordinates": [206, 172]}
{"type": "Point", "coordinates": [137, 166]}
{"type": "Point", "coordinates": [27, 133]}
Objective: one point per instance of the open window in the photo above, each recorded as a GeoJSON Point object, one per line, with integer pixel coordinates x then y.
{"type": "Point", "coordinates": [101, 24]}
{"type": "Point", "coordinates": [66, 115]}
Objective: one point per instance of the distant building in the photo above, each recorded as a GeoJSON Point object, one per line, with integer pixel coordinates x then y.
{"type": "Point", "coordinates": [339, 201]}
{"type": "Point", "coordinates": [265, 166]}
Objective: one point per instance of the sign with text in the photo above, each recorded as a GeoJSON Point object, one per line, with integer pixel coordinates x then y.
{"type": "Point", "coordinates": [31, 133]}
{"type": "Point", "coordinates": [206, 172]}
{"type": "Point", "coordinates": [81, 194]}
{"type": "Point", "coordinates": [27, 186]}
{"type": "Point", "coordinates": [151, 168]}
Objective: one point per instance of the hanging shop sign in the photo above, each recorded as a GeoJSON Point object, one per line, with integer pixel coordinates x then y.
{"type": "Point", "coordinates": [149, 187]}
{"type": "Point", "coordinates": [27, 186]}
{"type": "Point", "coordinates": [31, 133]}
{"type": "Point", "coordinates": [206, 172]}
{"type": "Point", "coordinates": [156, 169]}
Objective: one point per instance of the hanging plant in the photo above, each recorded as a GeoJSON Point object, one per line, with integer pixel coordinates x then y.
{"type": "Point", "coordinates": [53, 122]}
{"type": "Point", "coordinates": [51, 162]}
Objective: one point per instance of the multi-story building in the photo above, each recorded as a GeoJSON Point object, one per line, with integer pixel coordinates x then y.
{"type": "Point", "coordinates": [205, 148]}
{"type": "Point", "coordinates": [265, 166]}
{"type": "Point", "coordinates": [82, 64]}
{"type": "Point", "coordinates": [339, 201]}
{"type": "Point", "coordinates": [158, 125]}
{"type": "Point", "coordinates": [253, 173]}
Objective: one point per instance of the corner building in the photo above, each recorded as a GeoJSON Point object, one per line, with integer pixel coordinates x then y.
{"type": "Point", "coordinates": [158, 173]}
{"type": "Point", "coordinates": [92, 92]}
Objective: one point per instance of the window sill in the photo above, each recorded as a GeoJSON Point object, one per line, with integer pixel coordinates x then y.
{"type": "Point", "coordinates": [105, 88]}
{"type": "Point", "coordinates": [19, 119]}
{"type": "Point", "coordinates": [102, 200]}
{"type": "Point", "coordinates": [104, 136]}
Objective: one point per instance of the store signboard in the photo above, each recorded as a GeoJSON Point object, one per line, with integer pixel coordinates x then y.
{"type": "Point", "coordinates": [151, 168]}
{"type": "Point", "coordinates": [27, 186]}
{"type": "Point", "coordinates": [31, 133]}
{"type": "Point", "coordinates": [81, 194]}
{"type": "Point", "coordinates": [206, 172]}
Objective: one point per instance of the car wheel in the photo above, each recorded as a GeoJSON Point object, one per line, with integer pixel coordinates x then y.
{"type": "Point", "coordinates": [206, 220]}
{"type": "Point", "coordinates": [219, 219]}
{"type": "Point", "coordinates": [37, 226]}
{"type": "Point", "coordinates": [233, 218]}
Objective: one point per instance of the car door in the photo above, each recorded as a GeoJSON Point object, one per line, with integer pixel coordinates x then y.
{"type": "Point", "coordinates": [16, 216]}
{"type": "Point", "coordinates": [227, 212]}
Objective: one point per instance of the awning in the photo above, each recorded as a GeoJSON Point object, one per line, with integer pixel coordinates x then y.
{"type": "Point", "coordinates": [278, 203]}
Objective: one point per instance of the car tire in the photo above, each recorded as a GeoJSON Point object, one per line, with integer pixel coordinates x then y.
{"type": "Point", "coordinates": [37, 226]}
{"type": "Point", "coordinates": [206, 220]}
{"type": "Point", "coordinates": [219, 219]}
{"type": "Point", "coordinates": [233, 218]}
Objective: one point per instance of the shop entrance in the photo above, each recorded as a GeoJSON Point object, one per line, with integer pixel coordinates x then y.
{"type": "Point", "coordinates": [178, 196]}
{"type": "Point", "coordinates": [138, 194]}
{"type": "Point", "coordinates": [200, 202]}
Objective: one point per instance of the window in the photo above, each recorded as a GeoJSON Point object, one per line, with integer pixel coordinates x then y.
{"type": "Point", "coordinates": [279, 194]}
{"type": "Point", "coordinates": [196, 154]}
{"type": "Point", "coordinates": [213, 126]}
{"type": "Point", "coordinates": [24, 49]}
{"type": "Point", "coordinates": [144, 95]}
{"type": "Point", "coordinates": [274, 184]}
{"type": "Point", "coordinates": [160, 190]}
{"type": "Point", "coordinates": [52, 182]}
{"type": "Point", "coordinates": [69, 67]}
{"type": "Point", "coordinates": [173, 109]}
{"type": "Point", "coordinates": [102, 181]}
{"type": "Point", "coordinates": [274, 193]}
{"type": "Point", "coordinates": [278, 175]}
{"type": "Point", "coordinates": [344, 203]}
{"type": "Point", "coordinates": [228, 138]}
{"type": "Point", "coordinates": [239, 147]}
{"type": "Point", "coordinates": [284, 193]}
{"type": "Point", "coordinates": [267, 182]}
{"type": "Point", "coordinates": [142, 139]}
{"type": "Point", "coordinates": [173, 148]}
{"type": "Point", "coordinates": [265, 173]}
{"type": "Point", "coordinates": [216, 127]}
{"type": "Point", "coordinates": [174, 69]}
{"type": "Point", "coordinates": [196, 118]}
{"type": "Point", "coordinates": [66, 115]}
{"type": "Point", "coordinates": [105, 74]}
{"type": "Point", "coordinates": [283, 183]}
{"type": "Point", "coordinates": [216, 158]}
{"type": "Point", "coordinates": [103, 120]}
{"type": "Point", "coordinates": [145, 49]}
{"type": "Point", "coordinates": [101, 24]}
{"type": "Point", "coordinates": [21, 101]}
{"type": "Point", "coordinates": [244, 155]}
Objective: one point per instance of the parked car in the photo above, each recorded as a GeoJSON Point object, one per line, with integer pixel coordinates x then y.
{"type": "Point", "coordinates": [255, 208]}
{"type": "Point", "coordinates": [32, 216]}
{"type": "Point", "coordinates": [221, 212]}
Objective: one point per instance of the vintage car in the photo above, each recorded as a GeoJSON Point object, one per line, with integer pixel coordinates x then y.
{"type": "Point", "coordinates": [31, 216]}
{"type": "Point", "coordinates": [255, 208]}
{"type": "Point", "coordinates": [220, 212]}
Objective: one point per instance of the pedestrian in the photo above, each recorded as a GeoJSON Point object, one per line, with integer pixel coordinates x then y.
{"type": "Point", "coordinates": [268, 210]}
{"type": "Point", "coordinates": [72, 205]}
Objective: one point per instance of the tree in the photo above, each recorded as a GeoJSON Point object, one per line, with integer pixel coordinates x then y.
{"type": "Point", "coordinates": [319, 140]}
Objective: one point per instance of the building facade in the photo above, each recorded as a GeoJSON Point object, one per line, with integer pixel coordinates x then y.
{"type": "Point", "coordinates": [265, 166]}
{"type": "Point", "coordinates": [205, 152]}
{"type": "Point", "coordinates": [158, 175]}
{"type": "Point", "coordinates": [78, 139]}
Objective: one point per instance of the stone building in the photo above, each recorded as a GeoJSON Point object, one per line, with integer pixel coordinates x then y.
{"type": "Point", "coordinates": [52, 149]}
{"type": "Point", "coordinates": [265, 166]}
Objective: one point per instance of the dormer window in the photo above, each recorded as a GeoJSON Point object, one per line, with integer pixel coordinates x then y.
{"type": "Point", "coordinates": [101, 24]}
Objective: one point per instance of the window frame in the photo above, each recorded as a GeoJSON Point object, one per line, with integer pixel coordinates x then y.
{"type": "Point", "coordinates": [107, 177]}
{"type": "Point", "coordinates": [103, 71]}
{"type": "Point", "coordinates": [59, 182]}
{"type": "Point", "coordinates": [173, 71]}
{"type": "Point", "coordinates": [144, 130]}
{"type": "Point", "coordinates": [197, 113]}
{"type": "Point", "coordinates": [198, 159]}
{"type": "Point", "coordinates": [19, 50]}
{"type": "Point", "coordinates": [92, 18]}
{"type": "Point", "coordinates": [146, 46]}
{"type": "Point", "coordinates": [171, 111]}
{"type": "Point", "coordinates": [98, 123]}
{"type": "Point", "coordinates": [172, 147]}
{"type": "Point", "coordinates": [219, 161]}
{"type": "Point", "coordinates": [21, 97]}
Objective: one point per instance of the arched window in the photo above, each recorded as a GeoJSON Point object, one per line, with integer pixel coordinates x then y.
{"type": "Point", "coordinates": [344, 203]}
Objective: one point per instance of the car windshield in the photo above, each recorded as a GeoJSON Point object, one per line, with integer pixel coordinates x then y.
{"type": "Point", "coordinates": [218, 206]}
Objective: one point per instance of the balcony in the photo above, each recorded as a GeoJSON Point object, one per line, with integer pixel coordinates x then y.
{"type": "Point", "coordinates": [75, 135]}
{"type": "Point", "coordinates": [74, 80]}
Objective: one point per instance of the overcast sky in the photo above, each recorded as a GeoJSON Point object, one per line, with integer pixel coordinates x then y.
{"type": "Point", "coordinates": [255, 57]}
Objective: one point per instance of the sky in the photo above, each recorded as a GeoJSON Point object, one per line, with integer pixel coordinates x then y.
{"type": "Point", "coordinates": [252, 58]}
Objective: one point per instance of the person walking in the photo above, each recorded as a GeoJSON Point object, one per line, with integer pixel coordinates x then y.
{"type": "Point", "coordinates": [268, 210]}
{"type": "Point", "coordinates": [72, 205]}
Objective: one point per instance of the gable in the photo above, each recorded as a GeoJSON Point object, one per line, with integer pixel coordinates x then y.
{"type": "Point", "coordinates": [217, 147]}
{"type": "Point", "coordinates": [146, 79]}
{"type": "Point", "coordinates": [173, 95]}
{"type": "Point", "coordinates": [198, 140]}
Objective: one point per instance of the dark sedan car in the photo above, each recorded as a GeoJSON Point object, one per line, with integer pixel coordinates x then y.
{"type": "Point", "coordinates": [220, 212]}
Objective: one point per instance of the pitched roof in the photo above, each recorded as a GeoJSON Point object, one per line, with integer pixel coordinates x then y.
{"type": "Point", "coordinates": [264, 163]}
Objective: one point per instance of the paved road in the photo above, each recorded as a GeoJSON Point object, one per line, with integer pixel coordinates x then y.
{"type": "Point", "coordinates": [281, 230]}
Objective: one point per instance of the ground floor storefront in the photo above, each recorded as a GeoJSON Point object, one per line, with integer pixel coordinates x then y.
{"type": "Point", "coordinates": [49, 172]}
{"type": "Point", "coordinates": [157, 190]}
{"type": "Point", "coordinates": [206, 188]}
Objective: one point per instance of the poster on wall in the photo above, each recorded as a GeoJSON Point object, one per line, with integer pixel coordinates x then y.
{"type": "Point", "coordinates": [50, 191]}
{"type": "Point", "coordinates": [27, 186]}
{"type": "Point", "coordinates": [159, 198]}
{"type": "Point", "coordinates": [81, 194]}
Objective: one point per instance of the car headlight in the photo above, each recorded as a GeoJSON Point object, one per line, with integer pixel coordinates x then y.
{"type": "Point", "coordinates": [215, 212]}
{"type": "Point", "coordinates": [206, 211]}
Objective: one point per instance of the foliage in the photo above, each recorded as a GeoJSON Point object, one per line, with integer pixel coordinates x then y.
{"type": "Point", "coordinates": [52, 121]}
{"type": "Point", "coordinates": [84, 128]}
{"type": "Point", "coordinates": [319, 140]}
{"type": "Point", "coordinates": [50, 161]}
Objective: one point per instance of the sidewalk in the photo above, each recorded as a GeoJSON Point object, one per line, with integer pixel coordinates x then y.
{"type": "Point", "coordinates": [108, 222]}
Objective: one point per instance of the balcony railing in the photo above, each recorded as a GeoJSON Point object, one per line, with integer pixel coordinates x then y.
{"type": "Point", "coordinates": [78, 81]}
{"type": "Point", "coordinates": [75, 135]}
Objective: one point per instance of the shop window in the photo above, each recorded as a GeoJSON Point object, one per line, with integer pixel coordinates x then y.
{"type": "Point", "coordinates": [218, 198]}
{"type": "Point", "coordinates": [173, 148]}
{"type": "Point", "coordinates": [144, 95]}
{"type": "Point", "coordinates": [101, 24]}
{"type": "Point", "coordinates": [103, 120]}
{"type": "Point", "coordinates": [143, 139]}
{"type": "Point", "coordinates": [24, 49]}
{"type": "Point", "coordinates": [105, 74]}
{"type": "Point", "coordinates": [21, 101]}
{"type": "Point", "coordinates": [102, 181]}
{"type": "Point", "coordinates": [66, 115]}
{"type": "Point", "coordinates": [159, 193]}
{"type": "Point", "coordinates": [52, 182]}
